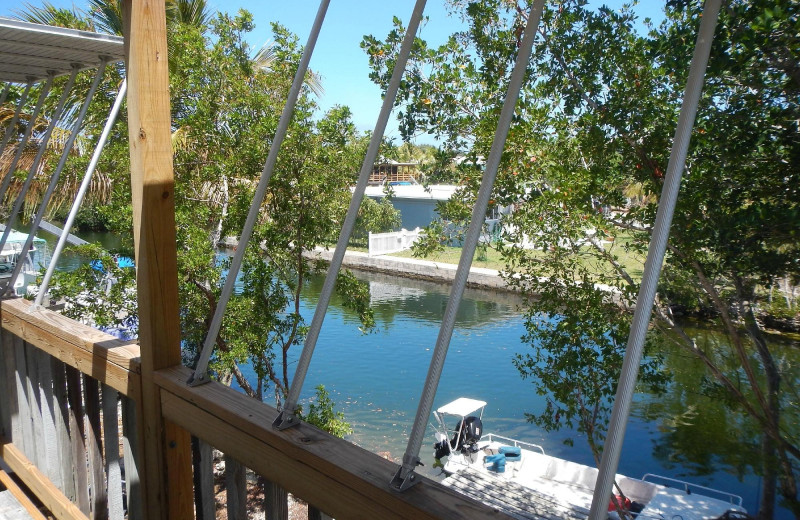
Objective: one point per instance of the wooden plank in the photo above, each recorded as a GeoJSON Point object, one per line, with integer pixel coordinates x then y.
{"type": "Point", "coordinates": [102, 356]}
{"type": "Point", "coordinates": [18, 382]}
{"type": "Point", "coordinates": [39, 484]}
{"type": "Point", "coordinates": [131, 458]}
{"type": "Point", "coordinates": [336, 476]}
{"type": "Point", "coordinates": [51, 464]}
{"type": "Point", "coordinates": [276, 501]}
{"type": "Point", "coordinates": [236, 488]}
{"type": "Point", "coordinates": [111, 441]}
{"type": "Point", "coordinates": [166, 448]}
{"type": "Point", "coordinates": [28, 405]}
{"type": "Point", "coordinates": [21, 496]}
{"type": "Point", "coordinates": [519, 502]}
{"type": "Point", "coordinates": [77, 438]}
{"type": "Point", "coordinates": [316, 514]}
{"type": "Point", "coordinates": [10, 508]}
{"type": "Point", "coordinates": [36, 402]}
{"type": "Point", "coordinates": [205, 504]}
{"type": "Point", "coordinates": [8, 404]}
{"type": "Point", "coordinates": [94, 450]}
{"type": "Point", "coordinates": [62, 415]}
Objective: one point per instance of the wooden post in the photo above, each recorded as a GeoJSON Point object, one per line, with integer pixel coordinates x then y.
{"type": "Point", "coordinates": [7, 390]}
{"type": "Point", "coordinates": [62, 415]}
{"type": "Point", "coordinates": [166, 449]}
{"type": "Point", "coordinates": [276, 501]}
{"type": "Point", "coordinates": [77, 434]}
{"type": "Point", "coordinates": [236, 488]}
{"type": "Point", "coordinates": [131, 459]}
{"type": "Point", "coordinates": [203, 455]}
{"type": "Point", "coordinates": [111, 441]}
{"type": "Point", "coordinates": [94, 448]}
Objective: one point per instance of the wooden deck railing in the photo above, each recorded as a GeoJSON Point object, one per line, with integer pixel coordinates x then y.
{"type": "Point", "coordinates": [65, 390]}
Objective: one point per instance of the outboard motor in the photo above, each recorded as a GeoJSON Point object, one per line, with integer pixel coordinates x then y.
{"type": "Point", "coordinates": [468, 433]}
{"type": "Point", "coordinates": [442, 446]}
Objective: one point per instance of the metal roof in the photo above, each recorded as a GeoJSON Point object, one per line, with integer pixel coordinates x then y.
{"type": "Point", "coordinates": [30, 51]}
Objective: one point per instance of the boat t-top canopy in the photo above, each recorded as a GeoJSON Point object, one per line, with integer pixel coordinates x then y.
{"type": "Point", "coordinates": [462, 406]}
{"type": "Point", "coordinates": [30, 52]}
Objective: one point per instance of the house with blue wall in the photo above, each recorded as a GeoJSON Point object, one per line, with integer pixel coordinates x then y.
{"type": "Point", "coordinates": [416, 203]}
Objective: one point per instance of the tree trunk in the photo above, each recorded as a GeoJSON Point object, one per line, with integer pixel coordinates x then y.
{"type": "Point", "coordinates": [769, 453]}
{"type": "Point", "coordinates": [769, 465]}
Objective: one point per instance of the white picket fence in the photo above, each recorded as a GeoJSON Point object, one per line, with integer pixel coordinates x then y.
{"type": "Point", "coordinates": [392, 242]}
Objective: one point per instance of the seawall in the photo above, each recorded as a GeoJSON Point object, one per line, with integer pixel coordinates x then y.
{"type": "Point", "coordinates": [413, 268]}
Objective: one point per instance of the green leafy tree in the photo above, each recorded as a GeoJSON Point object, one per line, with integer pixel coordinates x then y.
{"type": "Point", "coordinates": [322, 415]}
{"type": "Point", "coordinates": [225, 109]}
{"type": "Point", "coordinates": [374, 217]}
{"type": "Point", "coordinates": [593, 127]}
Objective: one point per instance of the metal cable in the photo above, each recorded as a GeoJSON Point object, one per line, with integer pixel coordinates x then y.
{"type": "Point", "coordinates": [10, 129]}
{"type": "Point", "coordinates": [200, 375]}
{"type": "Point", "coordinates": [24, 141]}
{"type": "Point", "coordinates": [612, 448]}
{"type": "Point", "coordinates": [287, 417]}
{"type": "Point", "coordinates": [62, 239]}
{"type": "Point", "coordinates": [405, 477]}
{"type": "Point", "coordinates": [64, 156]}
{"type": "Point", "coordinates": [4, 95]}
{"type": "Point", "coordinates": [34, 166]}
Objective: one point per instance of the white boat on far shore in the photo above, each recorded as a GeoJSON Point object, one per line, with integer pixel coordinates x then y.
{"type": "Point", "coordinates": [521, 479]}
{"type": "Point", "coordinates": [33, 262]}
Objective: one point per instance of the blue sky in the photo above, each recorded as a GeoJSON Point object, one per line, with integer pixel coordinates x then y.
{"type": "Point", "coordinates": [337, 57]}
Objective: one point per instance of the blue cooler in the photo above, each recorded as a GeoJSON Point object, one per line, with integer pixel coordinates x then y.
{"type": "Point", "coordinates": [512, 453]}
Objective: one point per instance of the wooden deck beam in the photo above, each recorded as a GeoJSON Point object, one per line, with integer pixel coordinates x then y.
{"type": "Point", "coordinates": [52, 498]}
{"type": "Point", "coordinates": [166, 448]}
{"type": "Point", "coordinates": [103, 357]}
{"type": "Point", "coordinates": [334, 475]}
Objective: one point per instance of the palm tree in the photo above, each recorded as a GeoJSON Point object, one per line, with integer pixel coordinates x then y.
{"type": "Point", "coordinates": [195, 13]}
{"type": "Point", "coordinates": [48, 14]}
{"type": "Point", "coordinates": [265, 58]}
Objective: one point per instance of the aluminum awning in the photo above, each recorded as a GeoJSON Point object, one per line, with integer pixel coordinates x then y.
{"type": "Point", "coordinates": [29, 51]}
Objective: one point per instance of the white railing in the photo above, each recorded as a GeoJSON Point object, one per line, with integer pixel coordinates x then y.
{"type": "Point", "coordinates": [514, 442]}
{"type": "Point", "coordinates": [688, 487]}
{"type": "Point", "coordinates": [392, 242]}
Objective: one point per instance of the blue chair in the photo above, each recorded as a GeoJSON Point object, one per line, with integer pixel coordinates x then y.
{"type": "Point", "coordinates": [496, 463]}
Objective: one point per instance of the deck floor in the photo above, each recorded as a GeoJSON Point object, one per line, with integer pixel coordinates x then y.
{"type": "Point", "coordinates": [513, 499]}
{"type": "Point", "coordinates": [10, 508]}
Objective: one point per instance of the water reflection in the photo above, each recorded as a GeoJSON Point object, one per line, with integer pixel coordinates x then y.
{"type": "Point", "coordinates": [376, 379]}
{"type": "Point", "coordinates": [701, 433]}
{"type": "Point", "coordinates": [394, 297]}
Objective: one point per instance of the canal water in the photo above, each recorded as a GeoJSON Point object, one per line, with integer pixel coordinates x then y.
{"type": "Point", "coordinates": [376, 379]}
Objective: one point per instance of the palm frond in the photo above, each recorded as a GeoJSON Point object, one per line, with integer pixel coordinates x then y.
{"type": "Point", "coordinates": [189, 12]}
{"type": "Point", "coordinates": [107, 15]}
{"type": "Point", "coordinates": [181, 139]}
{"type": "Point", "coordinates": [265, 58]}
{"type": "Point", "coordinates": [48, 14]}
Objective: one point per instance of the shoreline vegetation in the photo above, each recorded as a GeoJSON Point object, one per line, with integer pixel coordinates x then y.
{"type": "Point", "coordinates": [486, 274]}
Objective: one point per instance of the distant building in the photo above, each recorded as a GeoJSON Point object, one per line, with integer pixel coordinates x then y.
{"type": "Point", "coordinates": [391, 172]}
{"type": "Point", "coordinates": [416, 203]}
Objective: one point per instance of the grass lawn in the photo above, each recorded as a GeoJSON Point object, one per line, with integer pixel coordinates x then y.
{"type": "Point", "coordinates": [451, 255]}
{"type": "Point", "coordinates": [490, 259]}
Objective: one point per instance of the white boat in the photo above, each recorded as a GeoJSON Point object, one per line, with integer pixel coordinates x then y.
{"type": "Point", "coordinates": [33, 262]}
{"type": "Point", "coordinates": [521, 479]}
